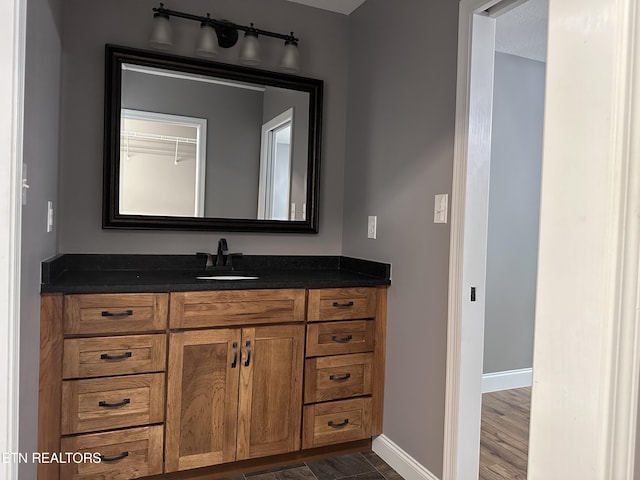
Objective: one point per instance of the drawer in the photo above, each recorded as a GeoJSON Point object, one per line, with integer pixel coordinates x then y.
{"type": "Point", "coordinates": [336, 422]}
{"type": "Point", "coordinates": [335, 338]}
{"type": "Point", "coordinates": [99, 357]}
{"type": "Point", "coordinates": [236, 307]}
{"type": "Point", "coordinates": [341, 303]}
{"type": "Point", "coordinates": [125, 454]}
{"type": "Point", "coordinates": [113, 402]}
{"type": "Point", "coordinates": [341, 376]}
{"type": "Point", "coordinates": [115, 313]}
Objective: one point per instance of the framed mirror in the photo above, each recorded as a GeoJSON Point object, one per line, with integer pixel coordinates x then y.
{"type": "Point", "coordinates": [198, 145]}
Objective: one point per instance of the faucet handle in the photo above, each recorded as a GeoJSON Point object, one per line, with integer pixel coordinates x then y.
{"type": "Point", "coordinates": [209, 261]}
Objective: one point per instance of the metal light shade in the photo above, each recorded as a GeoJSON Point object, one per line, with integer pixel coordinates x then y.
{"type": "Point", "coordinates": [290, 58]}
{"type": "Point", "coordinates": [207, 42]}
{"type": "Point", "coordinates": [250, 50]}
{"type": "Point", "coordinates": [161, 36]}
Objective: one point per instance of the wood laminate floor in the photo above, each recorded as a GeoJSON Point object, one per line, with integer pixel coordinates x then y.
{"type": "Point", "coordinates": [504, 436]}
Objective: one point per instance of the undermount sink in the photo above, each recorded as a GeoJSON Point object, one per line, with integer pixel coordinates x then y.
{"type": "Point", "coordinates": [227, 277]}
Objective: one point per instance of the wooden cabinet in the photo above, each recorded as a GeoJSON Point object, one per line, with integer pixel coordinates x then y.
{"type": "Point", "coordinates": [106, 403]}
{"type": "Point", "coordinates": [233, 394]}
{"type": "Point", "coordinates": [103, 364]}
{"type": "Point", "coordinates": [341, 304]}
{"type": "Point", "coordinates": [123, 454]}
{"type": "Point", "coordinates": [202, 398]}
{"type": "Point", "coordinates": [226, 308]}
{"type": "Point", "coordinates": [337, 422]}
{"type": "Point", "coordinates": [188, 384]}
{"type": "Point", "coordinates": [104, 356]}
{"type": "Point", "coordinates": [345, 342]}
{"type": "Point", "coordinates": [115, 313]}
{"type": "Point", "coordinates": [270, 410]}
{"type": "Point", "coordinates": [338, 376]}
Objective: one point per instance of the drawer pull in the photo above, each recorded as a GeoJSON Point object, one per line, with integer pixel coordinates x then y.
{"type": "Point", "coordinates": [235, 355]}
{"type": "Point", "coordinates": [248, 344]}
{"type": "Point", "coordinates": [338, 425]}
{"type": "Point", "coordinates": [346, 376]}
{"type": "Point", "coordinates": [114, 459]}
{"type": "Point", "coordinates": [346, 339]}
{"type": "Point", "coordinates": [124, 402]}
{"type": "Point", "coordinates": [343, 305]}
{"type": "Point", "coordinates": [126, 313]}
{"type": "Point", "coordinates": [124, 356]}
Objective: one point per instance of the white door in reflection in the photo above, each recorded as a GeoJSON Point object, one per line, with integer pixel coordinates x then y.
{"type": "Point", "coordinates": [275, 168]}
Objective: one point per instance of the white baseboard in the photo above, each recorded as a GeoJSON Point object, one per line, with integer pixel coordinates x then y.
{"type": "Point", "coordinates": [400, 461]}
{"type": "Point", "coordinates": [494, 382]}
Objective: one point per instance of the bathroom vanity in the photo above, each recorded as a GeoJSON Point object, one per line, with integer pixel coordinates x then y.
{"type": "Point", "coordinates": [166, 376]}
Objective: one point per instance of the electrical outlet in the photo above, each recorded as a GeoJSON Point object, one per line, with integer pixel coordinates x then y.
{"type": "Point", "coordinates": [372, 226]}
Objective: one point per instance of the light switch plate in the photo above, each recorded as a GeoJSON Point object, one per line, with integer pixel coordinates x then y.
{"type": "Point", "coordinates": [440, 208]}
{"type": "Point", "coordinates": [49, 216]}
{"type": "Point", "coordinates": [372, 226]}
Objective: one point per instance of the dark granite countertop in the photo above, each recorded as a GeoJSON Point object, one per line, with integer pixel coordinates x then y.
{"type": "Point", "coordinates": [106, 273]}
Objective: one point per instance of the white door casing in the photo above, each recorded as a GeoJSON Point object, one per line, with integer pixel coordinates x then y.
{"type": "Point", "coordinates": [587, 334]}
{"type": "Point", "coordinates": [12, 56]}
{"type": "Point", "coordinates": [469, 221]}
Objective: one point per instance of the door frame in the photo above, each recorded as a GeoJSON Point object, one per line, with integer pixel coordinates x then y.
{"type": "Point", "coordinates": [468, 244]}
{"type": "Point", "coordinates": [12, 52]}
{"type": "Point", "coordinates": [585, 405]}
{"type": "Point", "coordinates": [265, 184]}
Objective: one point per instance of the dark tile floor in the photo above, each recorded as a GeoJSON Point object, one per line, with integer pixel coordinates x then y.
{"type": "Point", "coordinates": [355, 466]}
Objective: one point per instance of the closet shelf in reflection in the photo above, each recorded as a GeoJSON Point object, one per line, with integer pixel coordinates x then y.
{"type": "Point", "coordinates": [181, 148]}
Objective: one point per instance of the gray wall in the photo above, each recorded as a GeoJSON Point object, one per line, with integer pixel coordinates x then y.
{"type": "Point", "coordinates": [41, 149]}
{"type": "Point", "coordinates": [514, 211]}
{"type": "Point", "coordinates": [234, 122]}
{"type": "Point", "coordinates": [401, 122]}
{"type": "Point", "coordinates": [128, 23]}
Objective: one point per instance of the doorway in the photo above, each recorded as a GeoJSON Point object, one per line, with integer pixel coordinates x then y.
{"type": "Point", "coordinates": [480, 257]}
{"type": "Point", "coordinates": [274, 189]}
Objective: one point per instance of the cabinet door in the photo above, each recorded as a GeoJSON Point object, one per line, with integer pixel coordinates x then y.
{"type": "Point", "coordinates": [270, 390]}
{"type": "Point", "coordinates": [202, 398]}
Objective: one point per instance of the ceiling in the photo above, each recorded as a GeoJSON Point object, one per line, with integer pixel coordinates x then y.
{"type": "Point", "coordinates": [523, 30]}
{"type": "Point", "coordinates": [340, 6]}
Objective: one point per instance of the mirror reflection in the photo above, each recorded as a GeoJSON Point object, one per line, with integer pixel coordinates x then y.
{"type": "Point", "coordinates": [193, 145]}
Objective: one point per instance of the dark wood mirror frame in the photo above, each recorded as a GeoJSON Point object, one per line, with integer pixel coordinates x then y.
{"type": "Point", "coordinates": [116, 56]}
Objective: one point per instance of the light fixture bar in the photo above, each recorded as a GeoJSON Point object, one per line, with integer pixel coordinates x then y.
{"type": "Point", "coordinates": [222, 24]}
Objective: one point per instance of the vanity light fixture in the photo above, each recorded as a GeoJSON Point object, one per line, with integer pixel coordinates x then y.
{"type": "Point", "coordinates": [221, 33]}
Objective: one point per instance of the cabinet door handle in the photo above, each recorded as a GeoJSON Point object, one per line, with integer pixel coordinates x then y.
{"type": "Point", "coordinates": [235, 355]}
{"type": "Point", "coordinates": [124, 356]}
{"type": "Point", "coordinates": [343, 305]}
{"type": "Point", "coordinates": [126, 313]}
{"type": "Point", "coordinates": [124, 402]}
{"type": "Point", "coordinates": [346, 339]}
{"type": "Point", "coordinates": [346, 376]}
{"type": "Point", "coordinates": [248, 345]}
{"type": "Point", "coordinates": [103, 458]}
{"type": "Point", "coordinates": [338, 425]}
